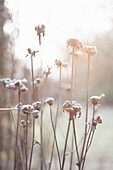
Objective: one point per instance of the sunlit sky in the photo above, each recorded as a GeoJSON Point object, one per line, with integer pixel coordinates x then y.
{"type": "Point", "coordinates": [63, 20]}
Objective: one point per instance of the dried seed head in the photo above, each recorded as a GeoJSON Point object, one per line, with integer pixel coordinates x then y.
{"type": "Point", "coordinates": [23, 124]}
{"type": "Point", "coordinates": [98, 119]}
{"type": "Point", "coordinates": [89, 49]}
{"type": "Point", "coordinates": [47, 71]}
{"type": "Point", "coordinates": [76, 43]}
{"type": "Point", "coordinates": [27, 108]}
{"type": "Point", "coordinates": [18, 83]}
{"type": "Point", "coordinates": [23, 88]}
{"type": "Point", "coordinates": [31, 52]}
{"type": "Point", "coordinates": [37, 81]}
{"type": "Point", "coordinates": [35, 114]}
{"type": "Point", "coordinates": [37, 105]}
{"type": "Point", "coordinates": [50, 101]}
{"type": "Point", "coordinates": [65, 64]}
{"type": "Point", "coordinates": [66, 105]}
{"type": "Point", "coordinates": [24, 80]}
{"type": "Point", "coordinates": [58, 63]}
{"type": "Point", "coordinates": [96, 99]}
{"type": "Point", "coordinates": [70, 110]}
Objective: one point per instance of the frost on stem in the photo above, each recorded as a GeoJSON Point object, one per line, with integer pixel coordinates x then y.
{"type": "Point", "coordinates": [50, 101]}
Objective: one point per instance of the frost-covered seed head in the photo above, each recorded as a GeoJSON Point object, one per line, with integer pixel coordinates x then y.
{"type": "Point", "coordinates": [65, 64]}
{"type": "Point", "coordinates": [35, 114]}
{"type": "Point", "coordinates": [96, 99]}
{"type": "Point", "coordinates": [66, 105]}
{"type": "Point", "coordinates": [37, 105]}
{"type": "Point", "coordinates": [89, 49]}
{"type": "Point", "coordinates": [76, 43]}
{"type": "Point", "coordinates": [50, 101]}
{"type": "Point", "coordinates": [58, 63]}
{"type": "Point", "coordinates": [23, 88]}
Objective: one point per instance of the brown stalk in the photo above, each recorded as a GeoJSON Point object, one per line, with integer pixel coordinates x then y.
{"type": "Point", "coordinates": [20, 150]}
{"type": "Point", "coordinates": [26, 138]}
{"type": "Point", "coordinates": [17, 131]}
{"type": "Point", "coordinates": [51, 158]}
{"type": "Point", "coordinates": [54, 132]}
{"type": "Point", "coordinates": [83, 147]}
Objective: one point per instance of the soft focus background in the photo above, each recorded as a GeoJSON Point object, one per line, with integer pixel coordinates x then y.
{"type": "Point", "coordinates": [92, 22]}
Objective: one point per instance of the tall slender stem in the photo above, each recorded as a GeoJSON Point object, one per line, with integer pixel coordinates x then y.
{"type": "Point", "coordinates": [32, 73]}
{"type": "Point", "coordinates": [71, 159]}
{"type": "Point", "coordinates": [55, 138]}
{"type": "Point", "coordinates": [17, 131]}
{"type": "Point", "coordinates": [32, 143]}
{"type": "Point", "coordinates": [76, 146]}
{"type": "Point", "coordinates": [32, 78]}
{"type": "Point", "coordinates": [66, 143]}
{"type": "Point", "coordinates": [86, 120]}
{"type": "Point", "coordinates": [51, 158]}
{"type": "Point", "coordinates": [20, 150]}
{"type": "Point", "coordinates": [26, 148]}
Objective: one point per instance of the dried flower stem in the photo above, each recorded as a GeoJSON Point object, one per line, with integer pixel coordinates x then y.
{"type": "Point", "coordinates": [20, 150]}
{"type": "Point", "coordinates": [32, 143]}
{"type": "Point", "coordinates": [17, 131]}
{"type": "Point", "coordinates": [71, 160]}
{"type": "Point", "coordinates": [32, 73]}
{"type": "Point", "coordinates": [51, 158]}
{"type": "Point", "coordinates": [66, 143]}
{"type": "Point", "coordinates": [86, 110]}
{"type": "Point", "coordinates": [76, 146]}
{"type": "Point", "coordinates": [26, 138]}
{"type": "Point", "coordinates": [55, 138]}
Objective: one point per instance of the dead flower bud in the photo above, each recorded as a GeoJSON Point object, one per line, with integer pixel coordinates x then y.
{"type": "Point", "coordinates": [23, 88]}
{"type": "Point", "coordinates": [66, 105]}
{"type": "Point", "coordinates": [96, 99]}
{"type": "Point", "coordinates": [58, 63]}
{"type": "Point", "coordinates": [24, 80]}
{"type": "Point", "coordinates": [35, 114]}
{"type": "Point", "coordinates": [50, 101]}
{"type": "Point", "coordinates": [65, 64]}
{"type": "Point", "coordinates": [37, 81]}
{"type": "Point", "coordinates": [70, 110]}
{"type": "Point", "coordinates": [76, 43]}
{"type": "Point", "coordinates": [91, 50]}
{"type": "Point", "coordinates": [27, 108]}
{"type": "Point", "coordinates": [37, 105]}
{"type": "Point", "coordinates": [98, 119]}
{"type": "Point", "coordinates": [18, 83]}
{"type": "Point", "coordinates": [31, 52]}
{"type": "Point", "coordinates": [47, 71]}
{"type": "Point", "coordinates": [23, 124]}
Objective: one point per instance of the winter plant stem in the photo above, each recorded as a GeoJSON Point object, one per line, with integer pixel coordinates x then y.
{"type": "Point", "coordinates": [26, 137]}
{"type": "Point", "coordinates": [76, 146]}
{"type": "Point", "coordinates": [32, 73]}
{"type": "Point", "coordinates": [19, 146]}
{"type": "Point", "coordinates": [86, 120]}
{"type": "Point", "coordinates": [54, 132]}
{"type": "Point", "coordinates": [32, 143]}
{"type": "Point", "coordinates": [17, 131]}
{"type": "Point", "coordinates": [51, 158]}
{"type": "Point", "coordinates": [66, 142]}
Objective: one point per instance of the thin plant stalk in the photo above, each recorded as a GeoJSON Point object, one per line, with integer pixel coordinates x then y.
{"type": "Point", "coordinates": [51, 158]}
{"type": "Point", "coordinates": [17, 131]}
{"type": "Point", "coordinates": [32, 143]}
{"type": "Point", "coordinates": [76, 146]}
{"type": "Point", "coordinates": [67, 134]}
{"type": "Point", "coordinates": [54, 132]}
{"type": "Point", "coordinates": [20, 150]}
{"type": "Point", "coordinates": [32, 73]}
{"type": "Point", "coordinates": [86, 120]}
{"type": "Point", "coordinates": [26, 138]}
{"type": "Point", "coordinates": [71, 160]}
